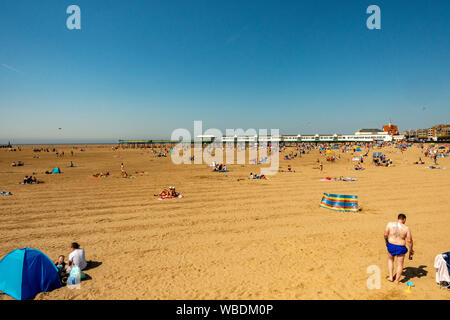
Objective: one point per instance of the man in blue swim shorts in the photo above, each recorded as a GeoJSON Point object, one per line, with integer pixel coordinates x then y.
{"type": "Point", "coordinates": [396, 236]}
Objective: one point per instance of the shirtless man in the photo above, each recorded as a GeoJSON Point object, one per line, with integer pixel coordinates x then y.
{"type": "Point", "coordinates": [397, 235]}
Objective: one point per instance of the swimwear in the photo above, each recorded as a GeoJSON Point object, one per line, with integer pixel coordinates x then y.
{"type": "Point", "coordinates": [395, 249]}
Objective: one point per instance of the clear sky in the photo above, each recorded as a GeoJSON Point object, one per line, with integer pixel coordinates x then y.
{"type": "Point", "coordinates": [140, 69]}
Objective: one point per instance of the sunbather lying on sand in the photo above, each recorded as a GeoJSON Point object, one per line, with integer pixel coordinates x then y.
{"type": "Point", "coordinates": [101, 175]}
{"type": "Point", "coordinates": [169, 193]}
{"type": "Point", "coordinates": [256, 176]}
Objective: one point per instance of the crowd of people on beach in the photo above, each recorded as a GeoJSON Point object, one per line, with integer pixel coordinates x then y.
{"type": "Point", "coordinates": [397, 235]}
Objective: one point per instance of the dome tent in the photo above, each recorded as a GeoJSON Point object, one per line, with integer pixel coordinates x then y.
{"type": "Point", "coordinates": [26, 272]}
{"type": "Point", "coordinates": [56, 170]}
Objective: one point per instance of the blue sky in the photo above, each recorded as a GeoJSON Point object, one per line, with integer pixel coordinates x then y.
{"type": "Point", "coordinates": [140, 69]}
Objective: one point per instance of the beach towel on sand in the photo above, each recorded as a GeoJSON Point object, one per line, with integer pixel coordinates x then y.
{"type": "Point", "coordinates": [163, 197]}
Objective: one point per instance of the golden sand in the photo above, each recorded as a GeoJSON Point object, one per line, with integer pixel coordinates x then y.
{"type": "Point", "coordinates": [227, 238]}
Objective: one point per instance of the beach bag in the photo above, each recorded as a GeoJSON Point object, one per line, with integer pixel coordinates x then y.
{"type": "Point", "coordinates": [75, 277]}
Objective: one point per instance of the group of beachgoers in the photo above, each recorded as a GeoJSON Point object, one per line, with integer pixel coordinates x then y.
{"type": "Point", "coordinates": [219, 167]}
{"type": "Point", "coordinates": [17, 164]}
{"type": "Point", "coordinates": [382, 161]}
{"type": "Point", "coordinates": [341, 178]}
{"type": "Point", "coordinates": [76, 258]}
{"type": "Point", "coordinates": [168, 193]}
{"type": "Point", "coordinates": [30, 180]}
{"type": "Point", "coordinates": [101, 175]}
{"type": "Point", "coordinates": [257, 176]}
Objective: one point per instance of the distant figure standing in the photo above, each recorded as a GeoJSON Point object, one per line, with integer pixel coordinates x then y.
{"type": "Point", "coordinates": [122, 167]}
{"type": "Point", "coordinates": [396, 236]}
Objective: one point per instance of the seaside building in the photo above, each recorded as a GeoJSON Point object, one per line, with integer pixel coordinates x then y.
{"type": "Point", "coordinates": [391, 129]}
{"type": "Point", "coordinates": [422, 134]}
{"type": "Point", "coordinates": [439, 131]}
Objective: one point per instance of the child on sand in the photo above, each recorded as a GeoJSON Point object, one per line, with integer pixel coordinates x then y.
{"type": "Point", "coordinates": [61, 266]}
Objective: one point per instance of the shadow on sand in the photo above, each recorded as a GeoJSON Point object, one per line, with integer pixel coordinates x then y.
{"type": "Point", "coordinates": [413, 272]}
{"type": "Point", "coordinates": [90, 265]}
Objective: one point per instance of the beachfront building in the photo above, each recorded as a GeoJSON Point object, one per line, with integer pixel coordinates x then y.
{"type": "Point", "coordinates": [363, 135]}
{"type": "Point", "coordinates": [285, 139]}
{"type": "Point", "coordinates": [439, 131]}
{"type": "Point", "coordinates": [391, 129]}
{"type": "Point", "coordinates": [422, 134]}
{"type": "Point", "coordinates": [374, 134]}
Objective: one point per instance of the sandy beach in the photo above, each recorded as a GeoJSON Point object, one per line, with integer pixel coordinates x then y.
{"type": "Point", "coordinates": [228, 237]}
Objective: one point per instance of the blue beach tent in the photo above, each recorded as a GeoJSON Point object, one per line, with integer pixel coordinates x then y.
{"type": "Point", "coordinates": [26, 272]}
{"type": "Point", "coordinates": [56, 170]}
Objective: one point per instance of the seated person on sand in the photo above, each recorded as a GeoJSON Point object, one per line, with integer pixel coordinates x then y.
{"type": "Point", "coordinates": [255, 176]}
{"type": "Point", "coordinates": [30, 180]}
{"type": "Point", "coordinates": [71, 164]}
{"type": "Point", "coordinates": [358, 167]}
{"type": "Point", "coordinates": [62, 266]}
{"type": "Point", "coordinates": [171, 192]}
{"type": "Point", "coordinates": [76, 257]}
{"type": "Point", "coordinates": [124, 174]}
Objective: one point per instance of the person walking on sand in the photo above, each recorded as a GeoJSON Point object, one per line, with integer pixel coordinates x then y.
{"type": "Point", "coordinates": [396, 236]}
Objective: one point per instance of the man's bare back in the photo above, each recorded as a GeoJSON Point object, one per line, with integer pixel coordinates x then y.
{"type": "Point", "coordinates": [396, 236]}
{"type": "Point", "coordinates": [397, 233]}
